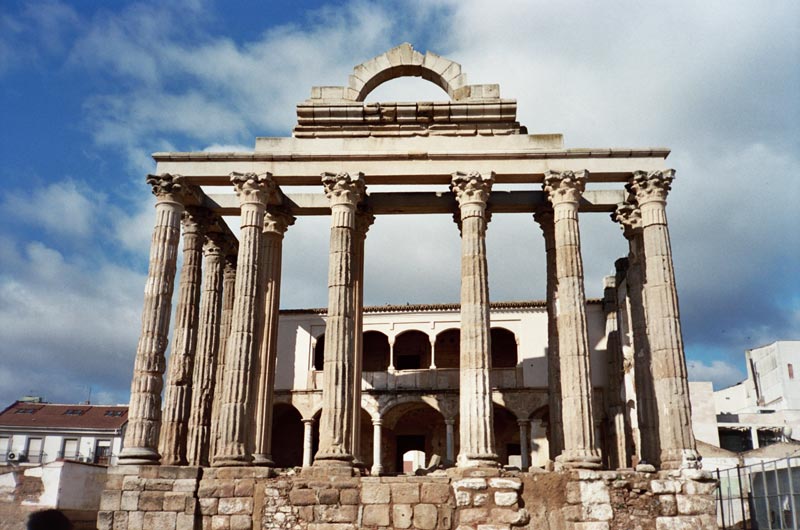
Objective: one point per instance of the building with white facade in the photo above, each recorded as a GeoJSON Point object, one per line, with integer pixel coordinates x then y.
{"type": "Point", "coordinates": [33, 433]}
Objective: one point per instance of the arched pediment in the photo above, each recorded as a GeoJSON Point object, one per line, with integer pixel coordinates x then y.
{"type": "Point", "coordinates": [405, 61]}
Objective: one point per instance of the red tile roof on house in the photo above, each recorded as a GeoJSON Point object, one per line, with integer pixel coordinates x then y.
{"type": "Point", "coordinates": [46, 415]}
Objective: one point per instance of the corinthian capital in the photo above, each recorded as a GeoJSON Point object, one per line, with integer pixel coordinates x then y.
{"type": "Point", "coordinates": [364, 219]}
{"type": "Point", "coordinates": [629, 218]}
{"type": "Point", "coordinates": [471, 187]}
{"type": "Point", "coordinates": [168, 187]}
{"type": "Point", "coordinates": [564, 186]}
{"type": "Point", "coordinates": [652, 186]}
{"type": "Point", "coordinates": [215, 245]}
{"type": "Point", "coordinates": [342, 188]}
{"type": "Point", "coordinates": [277, 221]}
{"type": "Point", "coordinates": [251, 187]}
{"type": "Point", "coordinates": [544, 216]}
{"type": "Point", "coordinates": [197, 220]}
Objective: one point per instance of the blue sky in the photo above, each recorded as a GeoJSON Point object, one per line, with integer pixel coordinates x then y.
{"type": "Point", "coordinates": [89, 89]}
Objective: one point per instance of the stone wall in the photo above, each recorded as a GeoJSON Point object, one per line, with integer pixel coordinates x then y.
{"type": "Point", "coordinates": [190, 498]}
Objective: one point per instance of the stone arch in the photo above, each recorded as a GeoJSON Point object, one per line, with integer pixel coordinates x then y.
{"type": "Point", "coordinates": [287, 435]}
{"type": "Point", "coordinates": [504, 348]}
{"type": "Point", "coordinates": [318, 359]}
{"type": "Point", "coordinates": [506, 432]}
{"type": "Point", "coordinates": [375, 357]}
{"type": "Point", "coordinates": [412, 425]}
{"type": "Point", "coordinates": [412, 350]}
{"type": "Point", "coordinates": [447, 348]}
{"type": "Point", "coordinates": [405, 61]}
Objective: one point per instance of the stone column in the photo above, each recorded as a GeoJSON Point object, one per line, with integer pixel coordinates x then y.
{"type": "Point", "coordinates": [629, 218]}
{"type": "Point", "coordinates": [254, 191]}
{"type": "Point", "coordinates": [178, 393]}
{"type": "Point", "coordinates": [524, 444]}
{"type": "Point", "coordinates": [377, 456]}
{"type": "Point", "coordinates": [544, 217]}
{"type": "Point", "coordinates": [205, 366]}
{"type": "Point", "coordinates": [450, 441]}
{"type": "Point", "coordinates": [144, 414]}
{"type": "Point", "coordinates": [391, 354]}
{"type": "Point", "coordinates": [668, 367]}
{"type": "Point", "coordinates": [433, 353]}
{"type": "Point", "coordinates": [564, 191]}
{"type": "Point", "coordinates": [308, 440]}
{"type": "Point", "coordinates": [336, 429]}
{"type": "Point", "coordinates": [475, 395]}
{"type": "Point", "coordinates": [228, 297]}
{"type": "Point", "coordinates": [617, 424]}
{"type": "Point", "coordinates": [364, 220]}
{"type": "Point", "coordinates": [276, 222]}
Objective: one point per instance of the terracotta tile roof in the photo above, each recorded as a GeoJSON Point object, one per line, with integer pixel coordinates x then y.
{"type": "Point", "coordinates": [413, 308]}
{"type": "Point", "coordinates": [47, 415]}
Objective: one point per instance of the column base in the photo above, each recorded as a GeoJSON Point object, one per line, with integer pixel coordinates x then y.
{"type": "Point", "coordinates": [564, 461]}
{"type": "Point", "coordinates": [680, 459]}
{"type": "Point", "coordinates": [489, 460]}
{"type": "Point", "coordinates": [232, 461]}
{"type": "Point", "coordinates": [263, 460]}
{"type": "Point", "coordinates": [376, 470]}
{"type": "Point", "coordinates": [139, 455]}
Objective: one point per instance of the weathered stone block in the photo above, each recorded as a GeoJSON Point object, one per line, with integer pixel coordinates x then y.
{"type": "Point", "coordinates": [692, 487]}
{"type": "Point", "coordinates": [184, 484]}
{"type": "Point", "coordinates": [505, 498]}
{"type": "Point", "coordinates": [328, 496]}
{"type": "Point", "coordinates": [480, 499]}
{"type": "Point", "coordinates": [425, 516]}
{"type": "Point", "coordinates": [136, 521]}
{"type": "Point", "coordinates": [505, 483]}
{"type": "Point", "coordinates": [685, 522]}
{"type": "Point", "coordinates": [376, 515]}
{"type": "Point", "coordinates": [470, 484]}
{"type": "Point", "coordinates": [241, 522]}
{"type": "Point", "coordinates": [335, 514]}
{"type": "Point", "coordinates": [184, 521]}
{"type": "Point", "coordinates": [174, 501]}
{"type": "Point", "coordinates": [110, 500]}
{"type": "Point", "coordinates": [445, 517]}
{"type": "Point", "coordinates": [695, 504]}
{"type": "Point", "coordinates": [591, 525]}
{"type": "Point", "coordinates": [405, 493]}
{"type": "Point", "coordinates": [160, 520]}
{"type": "Point", "coordinates": [402, 515]}
{"type": "Point", "coordinates": [132, 484]}
{"type": "Point", "coordinates": [208, 506]}
{"type": "Point", "coordinates": [587, 492]}
{"type": "Point", "coordinates": [473, 515]}
{"type": "Point", "coordinates": [244, 488]}
{"type": "Point", "coordinates": [302, 497]}
{"type": "Point", "coordinates": [510, 516]}
{"type": "Point", "coordinates": [129, 501]}
{"type": "Point", "coordinates": [665, 486]}
{"type": "Point", "coordinates": [151, 501]}
{"type": "Point", "coordinates": [349, 496]}
{"type": "Point", "coordinates": [235, 506]}
{"type": "Point", "coordinates": [120, 521]}
{"type": "Point", "coordinates": [220, 522]}
{"type": "Point", "coordinates": [105, 520]}
{"type": "Point", "coordinates": [493, 527]}
{"type": "Point", "coordinates": [331, 526]}
{"type": "Point", "coordinates": [434, 493]}
{"type": "Point", "coordinates": [375, 494]}
{"type": "Point", "coordinates": [463, 498]}
{"type": "Point", "coordinates": [158, 484]}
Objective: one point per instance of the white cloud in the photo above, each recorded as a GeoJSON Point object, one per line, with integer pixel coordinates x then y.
{"type": "Point", "coordinates": [721, 373]}
{"type": "Point", "coordinates": [61, 208]}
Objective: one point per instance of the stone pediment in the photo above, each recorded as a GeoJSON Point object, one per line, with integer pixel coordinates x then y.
{"type": "Point", "coordinates": [340, 110]}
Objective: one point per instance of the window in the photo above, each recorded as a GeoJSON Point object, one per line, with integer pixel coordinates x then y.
{"type": "Point", "coordinates": [115, 413]}
{"type": "Point", "coordinates": [34, 450]}
{"type": "Point", "coordinates": [102, 452]}
{"type": "Point", "coordinates": [74, 412]}
{"type": "Point", "coordinates": [791, 370]}
{"type": "Point", "coordinates": [69, 450]}
{"type": "Point", "coordinates": [24, 411]}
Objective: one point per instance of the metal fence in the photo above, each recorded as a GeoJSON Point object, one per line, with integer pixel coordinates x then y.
{"type": "Point", "coordinates": [761, 496]}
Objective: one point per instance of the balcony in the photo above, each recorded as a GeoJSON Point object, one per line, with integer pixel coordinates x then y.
{"type": "Point", "coordinates": [427, 379]}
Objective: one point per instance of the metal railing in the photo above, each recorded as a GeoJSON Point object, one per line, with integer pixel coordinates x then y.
{"type": "Point", "coordinates": [760, 496]}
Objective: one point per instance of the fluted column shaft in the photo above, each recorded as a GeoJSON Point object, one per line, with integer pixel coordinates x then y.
{"type": "Point", "coordinates": [144, 414]}
{"type": "Point", "coordinates": [275, 225]}
{"type": "Point", "coordinates": [208, 340]}
{"type": "Point", "coordinates": [564, 191]}
{"type": "Point", "coordinates": [228, 297]}
{"type": "Point", "coordinates": [336, 429]}
{"type": "Point", "coordinates": [178, 393]}
{"type": "Point", "coordinates": [629, 218]}
{"type": "Point", "coordinates": [524, 443]}
{"type": "Point", "coordinates": [254, 192]}
{"type": "Point", "coordinates": [450, 441]}
{"type": "Point", "coordinates": [556, 442]}
{"type": "Point", "coordinates": [476, 431]}
{"type": "Point", "coordinates": [363, 221]}
{"type": "Point", "coordinates": [617, 424]}
{"type": "Point", "coordinates": [668, 366]}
